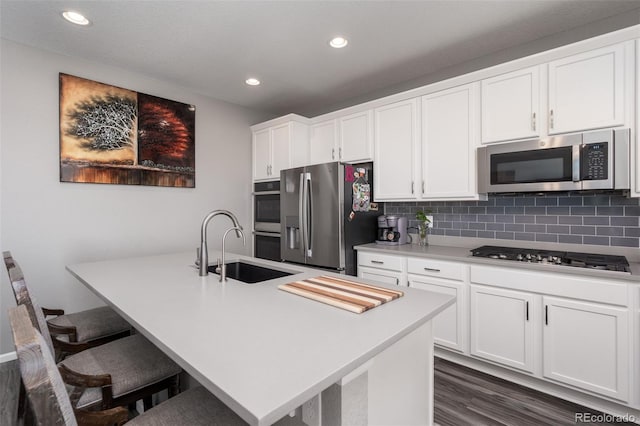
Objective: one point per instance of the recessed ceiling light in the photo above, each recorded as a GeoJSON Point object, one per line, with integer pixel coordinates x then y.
{"type": "Point", "coordinates": [338, 42]}
{"type": "Point", "coordinates": [75, 17]}
{"type": "Point", "coordinates": [252, 81]}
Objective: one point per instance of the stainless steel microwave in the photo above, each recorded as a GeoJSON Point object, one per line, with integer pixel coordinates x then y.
{"type": "Point", "coordinates": [591, 160]}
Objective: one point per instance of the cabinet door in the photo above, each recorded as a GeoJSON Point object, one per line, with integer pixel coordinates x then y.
{"type": "Point", "coordinates": [502, 326]}
{"type": "Point", "coordinates": [510, 106]}
{"type": "Point", "coordinates": [396, 151]}
{"type": "Point", "coordinates": [586, 345]}
{"type": "Point", "coordinates": [322, 148]}
{"type": "Point", "coordinates": [261, 154]}
{"type": "Point", "coordinates": [355, 142]}
{"type": "Point", "coordinates": [449, 124]}
{"type": "Point", "coordinates": [586, 91]}
{"type": "Point", "coordinates": [380, 276]}
{"type": "Point", "coordinates": [280, 150]}
{"type": "Point", "coordinates": [448, 326]}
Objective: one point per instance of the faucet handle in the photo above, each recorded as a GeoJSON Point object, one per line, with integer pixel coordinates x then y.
{"type": "Point", "coordinates": [197, 262]}
{"type": "Point", "coordinates": [219, 266]}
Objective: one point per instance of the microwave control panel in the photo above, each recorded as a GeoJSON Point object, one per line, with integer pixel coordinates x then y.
{"type": "Point", "coordinates": [594, 161]}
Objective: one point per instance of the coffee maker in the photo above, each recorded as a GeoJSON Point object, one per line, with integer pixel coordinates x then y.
{"type": "Point", "coordinates": [392, 230]}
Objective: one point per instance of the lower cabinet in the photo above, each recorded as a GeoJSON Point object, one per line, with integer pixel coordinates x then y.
{"type": "Point", "coordinates": [569, 330]}
{"type": "Point", "coordinates": [586, 345]}
{"type": "Point", "coordinates": [502, 326]}
{"type": "Point", "coordinates": [380, 275]}
{"type": "Point", "coordinates": [382, 268]}
{"type": "Point", "coordinates": [449, 325]}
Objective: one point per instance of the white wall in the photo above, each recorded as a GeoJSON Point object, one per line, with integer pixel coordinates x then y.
{"type": "Point", "coordinates": [47, 224]}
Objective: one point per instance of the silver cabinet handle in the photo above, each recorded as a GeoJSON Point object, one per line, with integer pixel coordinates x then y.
{"type": "Point", "coordinates": [412, 185]}
{"type": "Point", "coordinates": [533, 121]}
{"type": "Point", "coordinates": [267, 170]}
{"type": "Point", "coordinates": [527, 310]}
{"type": "Point", "coordinates": [551, 119]}
{"type": "Point", "coordinates": [397, 281]}
{"type": "Point", "coordinates": [431, 269]}
{"type": "Point", "coordinates": [423, 187]}
{"type": "Point", "coordinates": [340, 153]}
{"type": "Point", "coordinates": [333, 153]}
{"type": "Point", "coordinates": [378, 262]}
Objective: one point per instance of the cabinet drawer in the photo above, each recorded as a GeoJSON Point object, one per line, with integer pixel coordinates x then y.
{"type": "Point", "coordinates": [381, 261]}
{"type": "Point", "coordinates": [436, 268]}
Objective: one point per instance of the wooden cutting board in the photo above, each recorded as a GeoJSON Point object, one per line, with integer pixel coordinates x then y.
{"type": "Point", "coordinates": [346, 294]}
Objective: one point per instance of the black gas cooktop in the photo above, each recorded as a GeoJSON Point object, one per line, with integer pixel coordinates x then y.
{"type": "Point", "coordinates": [564, 258]}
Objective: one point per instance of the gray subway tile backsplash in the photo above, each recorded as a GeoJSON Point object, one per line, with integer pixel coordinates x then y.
{"type": "Point", "coordinates": [598, 218]}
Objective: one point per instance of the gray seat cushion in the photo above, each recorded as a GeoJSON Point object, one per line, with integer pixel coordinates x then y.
{"type": "Point", "coordinates": [133, 363]}
{"type": "Point", "coordinates": [93, 323]}
{"type": "Point", "coordinates": [194, 407]}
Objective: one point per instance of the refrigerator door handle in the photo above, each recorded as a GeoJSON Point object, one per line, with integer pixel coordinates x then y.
{"type": "Point", "coordinates": [307, 215]}
{"type": "Point", "coordinates": [301, 216]}
{"type": "Point", "coordinates": [309, 218]}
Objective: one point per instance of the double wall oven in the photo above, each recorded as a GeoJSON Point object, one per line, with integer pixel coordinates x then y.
{"type": "Point", "coordinates": [266, 227]}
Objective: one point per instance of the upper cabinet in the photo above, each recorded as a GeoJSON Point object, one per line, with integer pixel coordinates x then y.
{"type": "Point", "coordinates": [279, 144]}
{"type": "Point", "coordinates": [425, 148]}
{"type": "Point", "coordinates": [511, 106]}
{"type": "Point", "coordinates": [396, 144]}
{"type": "Point", "coordinates": [356, 137]}
{"type": "Point", "coordinates": [450, 130]}
{"type": "Point", "coordinates": [323, 139]}
{"type": "Point", "coordinates": [586, 91]}
{"type": "Point", "coordinates": [348, 139]}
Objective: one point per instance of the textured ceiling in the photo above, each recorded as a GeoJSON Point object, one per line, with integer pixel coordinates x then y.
{"type": "Point", "coordinates": [211, 47]}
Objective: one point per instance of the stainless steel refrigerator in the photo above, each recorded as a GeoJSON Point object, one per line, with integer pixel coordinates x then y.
{"type": "Point", "coordinates": [325, 210]}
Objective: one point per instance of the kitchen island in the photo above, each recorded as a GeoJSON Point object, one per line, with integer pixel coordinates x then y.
{"type": "Point", "coordinates": [265, 352]}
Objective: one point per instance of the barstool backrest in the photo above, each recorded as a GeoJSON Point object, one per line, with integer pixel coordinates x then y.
{"type": "Point", "coordinates": [23, 297]}
{"type": "Point", "coordinates": [42, 381]}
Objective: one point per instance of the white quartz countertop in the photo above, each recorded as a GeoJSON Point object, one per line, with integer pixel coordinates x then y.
{"type": "Point", "coordinates": [261, 350]}
{"type": "Point", "coordinates": [463, 254]}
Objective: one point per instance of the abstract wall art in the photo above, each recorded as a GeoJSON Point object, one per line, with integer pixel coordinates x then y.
{"type": "Point", "coordinates": [114, 135]}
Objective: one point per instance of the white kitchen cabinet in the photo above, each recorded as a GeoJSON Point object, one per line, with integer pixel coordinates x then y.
{"type": "Point", "coordinates": [502, 326]}
{"type": "Point", "coordinates": [382, 268]}
{"type": "Point", "coordinates": [586, 346]}
{"type": "Point", "coordinates": [323, 141]}
{"type": "Point", "coordinates": [586, 91]}
{"type": "Point", "coordinates": [396, 146]}
{"type": "Point", "coordinates": [261, 154]}
{"type": "Point", "coordinates": [348, 139]}
{"type": "Point", "coordinates": [449, 327]}
{"type": "Point", "coordinates": [279, 144]}
{"type": "Point", "coordinates": [356, 137]}
{"type": "Point", "coordinates": [511, 106]}
{"type": "Point", "coordinates": [450, 127]}
{"type": "Point", "coordinates": [381, 276]}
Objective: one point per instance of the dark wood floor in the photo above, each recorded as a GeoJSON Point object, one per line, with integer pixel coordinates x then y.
{"type": "Point", "coordinates": [462, 397]}
{"type": "Point", "coordinates": [468, 397]}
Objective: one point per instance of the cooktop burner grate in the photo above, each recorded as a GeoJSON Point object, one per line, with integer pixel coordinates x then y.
{"type": "Point", "coordinates": [555, 257]}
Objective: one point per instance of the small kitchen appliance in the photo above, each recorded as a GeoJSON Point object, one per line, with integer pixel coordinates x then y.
{"type": "Point", "coordinates": [392, 230]}
{"type": "Point", "coordinates": [555, 257]}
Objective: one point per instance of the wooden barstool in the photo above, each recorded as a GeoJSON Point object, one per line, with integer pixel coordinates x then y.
{"type": "Point", "coordinates": [120, 372]}
{"type": "Point", "coordinates": [52, 405]}
{"type": "Point", "coordinates": [74, 332]}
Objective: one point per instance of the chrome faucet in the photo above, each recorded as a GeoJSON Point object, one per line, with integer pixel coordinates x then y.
{"type": "Point", "coordinates": [203, 262]}
{"type": "Point", "coordinates": [223, 266]}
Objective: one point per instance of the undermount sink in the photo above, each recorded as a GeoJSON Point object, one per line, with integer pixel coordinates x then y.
{"type": "Point", "coordinates": [250, 273]}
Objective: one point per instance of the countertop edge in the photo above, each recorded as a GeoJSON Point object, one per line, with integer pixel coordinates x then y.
{"type": "Point", "coordinates": [461, 254]}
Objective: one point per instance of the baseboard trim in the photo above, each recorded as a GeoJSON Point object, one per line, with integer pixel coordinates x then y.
{"type": "Point", "coordinates": [9, 356]}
